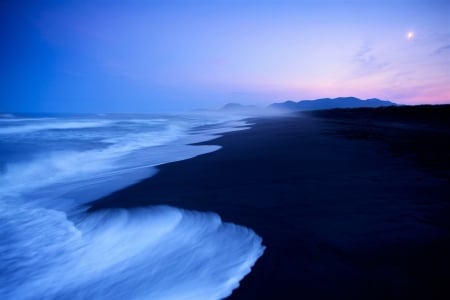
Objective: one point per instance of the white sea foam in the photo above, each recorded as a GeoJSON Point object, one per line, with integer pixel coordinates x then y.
{"type": "Point", "coordinates": [52, 125]}
{"type": "Point", "coordinates": [149, 253]}
{"type": "Point", "coordinates": [124, 154]}
{"type": "Point", "coordinates": [23, 119]}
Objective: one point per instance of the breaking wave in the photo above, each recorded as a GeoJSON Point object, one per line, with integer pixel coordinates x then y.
{"type": "Point", "coordinates": [52, 248]}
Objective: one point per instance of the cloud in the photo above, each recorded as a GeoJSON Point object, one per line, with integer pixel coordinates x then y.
{"type": "Point", "coordinates": [366, 62]}
{"type": "Point", "coordinates": [441, 50]}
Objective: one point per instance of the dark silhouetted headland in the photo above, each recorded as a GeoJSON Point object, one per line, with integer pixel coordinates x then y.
{"type": "Point", "coordinates": [327, 103]}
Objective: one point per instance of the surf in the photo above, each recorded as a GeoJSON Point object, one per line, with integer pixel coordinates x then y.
{"type": "Point", "coordinates": [53, 248]}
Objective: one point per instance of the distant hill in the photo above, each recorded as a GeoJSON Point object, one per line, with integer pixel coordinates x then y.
{"type": "Point", "coordinates": [328, 103]}
{"type": "Point", "coordinates": [250, 110]}
{"type": "Point", "coordinates": [238, 107]}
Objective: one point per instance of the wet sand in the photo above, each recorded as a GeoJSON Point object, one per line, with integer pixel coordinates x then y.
{"type": "Point", "coordinates": [351, 204]}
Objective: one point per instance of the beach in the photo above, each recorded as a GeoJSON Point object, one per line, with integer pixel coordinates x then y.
{"type": "Point", "coordinates": [350, 204]}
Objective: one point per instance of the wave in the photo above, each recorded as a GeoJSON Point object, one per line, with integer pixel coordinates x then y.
{"type": "Point", "coordinates": [53, 249]}
{"type": "Point", "coordinates": [53, 126]}
{"type": "Point", "coordinates": [15, 119]}
{"type": "Point", "coordinates": [7, 116]}
{"type": "Point", "coordinates": [120, 155]}
{"type": "Point", "coordinates": [149, 253]}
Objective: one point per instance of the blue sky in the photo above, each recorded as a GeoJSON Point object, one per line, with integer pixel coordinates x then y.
{"type": "Point", "coordinates": [157, 56]}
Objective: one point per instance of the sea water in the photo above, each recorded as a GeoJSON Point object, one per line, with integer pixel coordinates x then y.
{"type": "Point", "coordinates": [53, 166]}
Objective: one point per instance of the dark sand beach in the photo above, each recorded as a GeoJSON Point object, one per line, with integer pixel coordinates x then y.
{"type": "Point", "coordinates": [351, 204]}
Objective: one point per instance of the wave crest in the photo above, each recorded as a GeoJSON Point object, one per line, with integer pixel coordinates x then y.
{"type": "Point", "coordinates": [147, 253]}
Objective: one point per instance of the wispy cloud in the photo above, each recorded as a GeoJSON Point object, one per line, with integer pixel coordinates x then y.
{"type": "Point", "coordinates": [366, 61]}
{"type": "Point", "coordinates": [442, 50]}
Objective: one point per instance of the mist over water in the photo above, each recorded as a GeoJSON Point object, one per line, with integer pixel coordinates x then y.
{"type": "Point", "coordinates": [51, 168]}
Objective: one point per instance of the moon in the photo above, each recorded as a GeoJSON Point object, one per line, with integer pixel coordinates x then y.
{"type": "Point", "coordinates": [410, 35]}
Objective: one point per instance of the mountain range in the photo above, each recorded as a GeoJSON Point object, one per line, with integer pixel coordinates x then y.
{"type": "Point", "coordinates": [330, 103]}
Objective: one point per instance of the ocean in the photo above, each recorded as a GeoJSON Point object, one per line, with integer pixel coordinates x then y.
{"type": "Point", "coordinates": [53, 166]}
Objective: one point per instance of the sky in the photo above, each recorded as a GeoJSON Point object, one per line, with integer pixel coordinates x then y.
{"type": "Point", "coordinates": [160, 56]}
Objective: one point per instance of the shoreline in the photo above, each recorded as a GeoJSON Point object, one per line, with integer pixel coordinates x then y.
{"type": "Point", "coordinates": [341, 213]}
